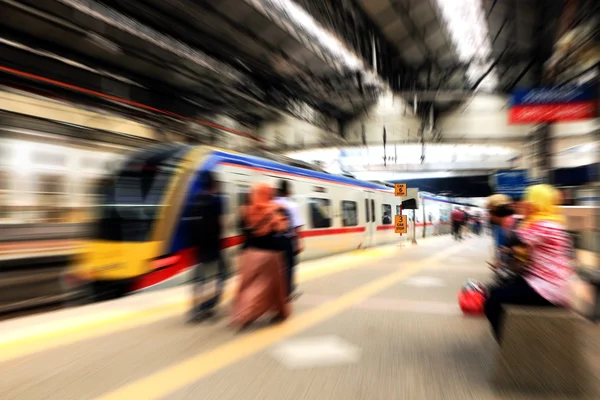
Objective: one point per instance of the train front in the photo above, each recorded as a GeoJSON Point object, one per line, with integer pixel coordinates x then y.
{"type": "Point", "coordinates": [138, 211]}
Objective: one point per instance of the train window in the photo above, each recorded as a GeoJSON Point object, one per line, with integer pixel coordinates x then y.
{"type": "Point", "coordinates": [133, 200]}
{"type": "Point", "coordinates": [349, 213]}
{"type": "Point", "coordinates": [243, 192]}
{"type": "Point", "coordinates": [386, 214]}
{"type": "Point", "coordinates": [224, 203]}
{"type": "Point", "coordinates": [367, 213]}
{"type": "Point", "coordinates": [398, 210]}
{"type": "Point", "coordinates": [320, 212]}
{"type": "Point", "coordinates": [373, 218]}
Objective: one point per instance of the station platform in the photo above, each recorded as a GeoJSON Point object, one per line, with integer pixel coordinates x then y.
{"type": "Point", "coordinates": [375, 324]}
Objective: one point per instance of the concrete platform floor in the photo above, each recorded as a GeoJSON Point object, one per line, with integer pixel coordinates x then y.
{"type": "Point", "coordinates": [387, 329]}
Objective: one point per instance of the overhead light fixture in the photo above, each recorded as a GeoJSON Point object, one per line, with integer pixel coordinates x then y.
{"type": "Point", "coordinates": [104, 43]}
{"type": "Point", "coordinates": [466, 23]}
{"type": "Point", "coordinates": [298, 22]}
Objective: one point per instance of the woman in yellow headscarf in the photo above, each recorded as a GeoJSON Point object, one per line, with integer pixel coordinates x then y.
{"type": "Point", "coordinates": [541, 205]}
{"type": "Point", "coordinates": [548, 267]}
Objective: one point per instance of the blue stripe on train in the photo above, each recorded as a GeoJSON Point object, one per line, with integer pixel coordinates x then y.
{"type": "Point", "coordinates": [255, 162]}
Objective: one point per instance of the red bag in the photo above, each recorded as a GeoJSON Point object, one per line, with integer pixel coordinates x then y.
{"type": "Point", "coordinates": [471, 302]}
{"type": "Point", "coordinates": [471, 298]}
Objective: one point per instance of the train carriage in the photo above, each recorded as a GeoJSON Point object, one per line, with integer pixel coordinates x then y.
{"type": "Point", "coordinates": [141, 240]}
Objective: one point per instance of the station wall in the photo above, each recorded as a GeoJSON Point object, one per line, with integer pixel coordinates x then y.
{"type": "Point", "coordinates": [291, 132]}
{"type": "Point", "coordinates": [393, 113]}
{"type": "Point", "coordinates": [482, 117]}
{"type": "Point", "coordinates": [222, 138]}
{"type": "Point", "coordinates": [63, 112]}
{"type": "Point", "coordinates": [48, 182]}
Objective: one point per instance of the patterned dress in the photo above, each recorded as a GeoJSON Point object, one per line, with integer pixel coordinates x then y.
{"type": "Point", "coordinates": [549, 267]}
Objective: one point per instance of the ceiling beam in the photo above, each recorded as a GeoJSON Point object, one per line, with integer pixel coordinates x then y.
{"type": "Point", "coordinates": [403, 11]}
{"type": "Point", "coordinates": [428, 25]}
{"type": "Point", "coordinates": [356, 29]}
{"type": "Point", "coordinates": [491, 9]}
{"type": "Point", "coordinates": [514, 82]}
{"type": "Point", "coordinates": [488, 71]}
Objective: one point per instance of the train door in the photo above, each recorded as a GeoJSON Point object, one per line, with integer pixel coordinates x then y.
{"type": "Point", "coordinates": [370, 220]}
{"type": "Point", "coordinates": [237, 188]}
{"type": "Point", "coordinates": [240, 185]}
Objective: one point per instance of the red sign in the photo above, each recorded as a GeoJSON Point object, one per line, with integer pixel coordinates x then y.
{"type": "Point", "coordinates": [552, 112]}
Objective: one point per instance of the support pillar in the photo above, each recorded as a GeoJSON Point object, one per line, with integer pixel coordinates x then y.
{"type": "Point", "coordinates": [414, 224]}
{"type": "Point", "coordinates": [540, 155]}
{"type": "Point", "coordinates": [596, 203]}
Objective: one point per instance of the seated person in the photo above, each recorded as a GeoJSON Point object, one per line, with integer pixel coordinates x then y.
{"type": "Point", "coordinates": [509, 251]}
{"type": "Point", "coordinates": [544, 280]}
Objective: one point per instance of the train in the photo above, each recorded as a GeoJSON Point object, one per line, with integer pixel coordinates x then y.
{"type": "Point", "coordinates": [140, 243]}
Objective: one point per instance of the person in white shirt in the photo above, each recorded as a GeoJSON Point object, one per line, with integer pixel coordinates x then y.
{"type": "Point", "coordinates": [294, 245]}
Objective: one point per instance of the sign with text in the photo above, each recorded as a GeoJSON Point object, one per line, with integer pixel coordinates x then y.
{"type": "Point", "coordinates": [401, 222]}
{"type": "Point", "coordinates": [551, 113]}
{"type": "Point", "coordinates": [400, 190]}
{"type": "Point", "coordinates": [553, 104]}
{"type": "Point", "coordinates": [553, 95]}
{"type": "Point", "coordinates": [515, 182]}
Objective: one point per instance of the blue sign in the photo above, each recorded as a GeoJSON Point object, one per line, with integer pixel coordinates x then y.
{"type": "Point", "coordinates": [553, 95]}
{"type": "Point", "coordinates": [512, 182]}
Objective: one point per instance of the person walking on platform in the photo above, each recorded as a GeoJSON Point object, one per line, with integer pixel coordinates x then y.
{"type": "Point", "coordinates": [293, 242]}
{"type": "Point", "coordinates": [478, 224]}
{"type": "Point", "coordinates": [205, 231]}
{"type": "Point", "coordinates": [261, 286]}
{"type": "Point", "coordinates": [465, 225]}
{"type": "Point", "coordinates": [457, 218]}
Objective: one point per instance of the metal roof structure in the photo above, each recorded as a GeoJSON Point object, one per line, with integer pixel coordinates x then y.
{"type": "Point", "coordinates": [418, 55]}
{"type": "Point", "coordinates": [176, 59]}
{"type": "Point", "coordinates": [168, 61]}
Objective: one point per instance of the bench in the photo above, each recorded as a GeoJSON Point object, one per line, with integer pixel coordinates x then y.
{"type": "Point", "coordinates": [541, 352]}
{"type": "Point", "coordinates": [591, 276]}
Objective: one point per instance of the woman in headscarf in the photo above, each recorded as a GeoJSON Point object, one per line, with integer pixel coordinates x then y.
{"type": "Point", "coordinates": [261, 279]}
{"type": "Point", "coordinates": [544, 281]}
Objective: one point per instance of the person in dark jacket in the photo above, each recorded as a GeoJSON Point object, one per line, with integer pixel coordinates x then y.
{"type": "Point", "coordinates": [205, 231]}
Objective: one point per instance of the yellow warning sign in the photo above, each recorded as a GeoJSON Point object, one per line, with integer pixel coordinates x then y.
{"type": "Point", "coordinates": [401, 224]}
{"type": "Point", "coordinates": [400, 190]}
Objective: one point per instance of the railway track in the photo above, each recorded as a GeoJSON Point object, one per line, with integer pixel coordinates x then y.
{"type": "Point", "coordinates": [31, 285]}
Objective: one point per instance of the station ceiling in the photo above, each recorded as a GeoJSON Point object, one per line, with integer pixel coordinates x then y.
{"type": "Point", "coordinates": [171, 60]}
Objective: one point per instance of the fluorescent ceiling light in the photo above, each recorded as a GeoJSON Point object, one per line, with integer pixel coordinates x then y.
{"type": "Point", "coordinates": [300, 23]}
{"type": "Point", "coordinates": [466, 23]}
{"type": "Point", "coordinates": [306, 22]}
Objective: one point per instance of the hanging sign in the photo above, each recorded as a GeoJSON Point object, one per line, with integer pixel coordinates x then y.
{"type": "Point", "coordinates": [400, 189]}
{"type": "Point", "coordinates": [553, 104]}
{"type": "Point", "coordinates": [511, 182]}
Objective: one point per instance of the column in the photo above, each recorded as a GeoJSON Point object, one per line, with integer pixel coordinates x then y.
{"type": "Point", "coordinates": [540, 154]}
{"type": "Point", "coordinates": [596, 202]}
